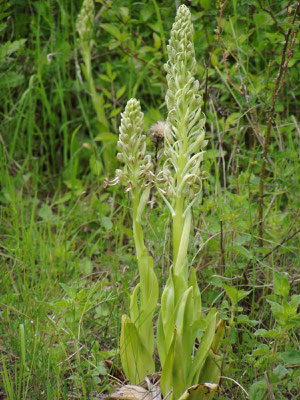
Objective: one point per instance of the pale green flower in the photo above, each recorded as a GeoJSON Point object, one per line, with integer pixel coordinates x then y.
{"type": "Point", "coordinates": [185, 136]}
{"type": "Point", "coordinates": [137, 171]}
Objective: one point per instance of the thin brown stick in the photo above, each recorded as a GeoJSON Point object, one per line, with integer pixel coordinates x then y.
{"type": "Point", "coordinates": [4, 147]}
{"type": "Point", "coordinates": [286, 54]}
{"type": "Point", "coordinates": [290, 52]}
{"type": "Point", "coordinates": [280, 244]}
{"type": "Point", "coordinates": [283, 241]}
{"type": "Point", "coordinates": [246, 97]}
{"type": "Point", "coordinates": [272, 16]}
{"type": "Point", "coordinates": [222, 260]}
{"type": "Point", "coordinates": [13, 164]}
{"type": "Point", "coordinates": [225, 55]}
{"type": "Point", "coordinates": [223, 6]}
{"type": "Point", "coordinates": [103, 8]}
{"type": "Point", "coordinates": [270, 390]}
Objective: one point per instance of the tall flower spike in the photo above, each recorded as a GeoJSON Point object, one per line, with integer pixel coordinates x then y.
{"type": "Point", "coordinates": [85, 21]}
{"type": "Point", "coordinates": [185, 138]}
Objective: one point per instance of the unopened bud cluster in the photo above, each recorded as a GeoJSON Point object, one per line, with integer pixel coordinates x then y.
{"type": "Point", "coordinates": [138, 168]}
{"type": "Point", "coordinates": [85, 21]}
{"type": "Point", "coordinates": [185, 138]}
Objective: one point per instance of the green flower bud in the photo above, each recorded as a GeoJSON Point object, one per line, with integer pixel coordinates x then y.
{"type": "Point", "coordinates": [120, 175]}
{"type": "Point", "coordinates": [120, 157]}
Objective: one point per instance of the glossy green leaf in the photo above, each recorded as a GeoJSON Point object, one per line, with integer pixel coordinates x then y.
{"type": "Point", "coordinates": [211, 371]}
{"type": "Point", "coordinates": [257, 390]}
{"type": "Point", "coordinates": [219, 336]}
{"type": "Point", "coordinates": [120, 92]}
{"type": "Point", "coordinates": [166, 320]}
{"type": "Point", "coordinates": [115, 112]}
{"type": "Point", "coordinates": [196, 295]}
{"type": "Point", "coordinates": [184, 241]}
{"type": "Point", "coordinates": [291, 357]}
{"type": "Point", "coordinates": [143, 202]}
{"type": "Point", "coordinates": [106, 137]}
{"type": "Point", "coordinates": [173, 377]}
{"type": "Point", "coordinates": [242, 251]}
{"type": "Point", "coordinates": [136, 361]}
{"type": "Point", "coordinates": [184, 325]}
{"type": "Point", "coordinates": [8, 48]}
{"type": "Point", "coordinates": [149, 297]}
{"type": "Point", "coordinates": [202, 351]}
{"type": "Point", "coordinates": [134, 305]}
{"type": "Point", "coordinates": [234, 294]}
{"type": "Point", "coordinates": [106, 223]}
{"type": "Point", "coordinates": [112, 30]}
{"type": "Point", "coordinates": [95, 165]}
{"type": "Point", "coordinates": [281, 285]}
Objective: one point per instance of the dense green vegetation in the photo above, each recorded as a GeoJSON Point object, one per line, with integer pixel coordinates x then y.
{"type": "Point", "coordinates": [66, 247]}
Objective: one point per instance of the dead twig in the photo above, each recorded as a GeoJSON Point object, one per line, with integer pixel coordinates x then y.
{"type": "Point", "coordinates": [270, 390]}
{"type": "Point", "coordinates": [286, 55]}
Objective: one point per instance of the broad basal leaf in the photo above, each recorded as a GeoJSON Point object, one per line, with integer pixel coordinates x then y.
{"type": "Point", "coordinates": [136, 361]}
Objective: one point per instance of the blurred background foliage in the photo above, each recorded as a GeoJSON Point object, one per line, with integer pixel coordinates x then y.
{"type": "Point", "coordinates": [62, 232]}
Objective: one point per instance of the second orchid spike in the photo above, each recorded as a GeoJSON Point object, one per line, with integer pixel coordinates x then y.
{"type": "Point", "coordinates": [132, 145]}
{"type": "Point", "coordinates": [85, 21]}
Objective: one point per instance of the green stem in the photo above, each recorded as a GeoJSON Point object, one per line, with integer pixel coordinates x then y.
{"type": "Point", "coordinates": [86, 54]}
{"type": "Point", "coordinates": [178, 222]}
{"type": "Point", "coordinates": [108, 155]}
{"type": "Point", "coordinates": [138, 233]}
{"type": "Point", "coordinates": [178, 219]}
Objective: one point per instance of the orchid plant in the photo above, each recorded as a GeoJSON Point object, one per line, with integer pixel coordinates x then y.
{"type": "Point", "coordinates": [137, 337]}
{"type": "Point", "coordinates": [187, 340]}
{"type": "Point", "coordinates": [85, 32]}
{"type": "Point", "coordinates": [85, 28]}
